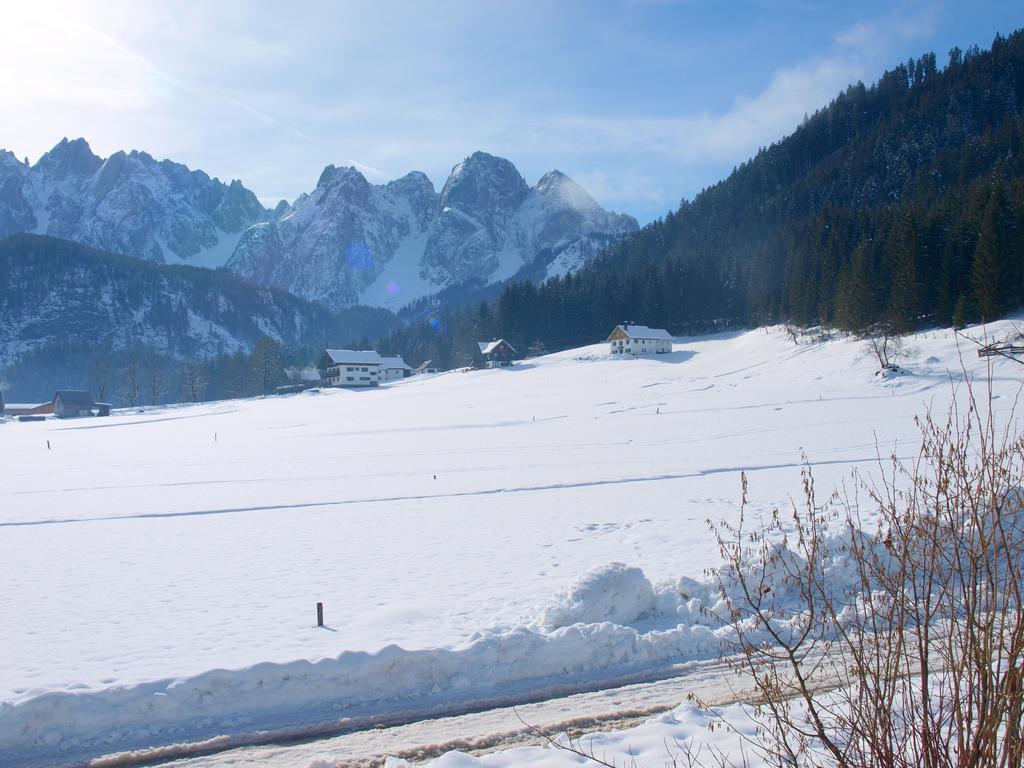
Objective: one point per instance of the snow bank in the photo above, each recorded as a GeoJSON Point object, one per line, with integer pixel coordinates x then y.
{"type": "Point", "coordinates": [62, 726]}
{"type": "Point", "coordinates": [616, 593]}
{"type": "Point", "coordinates": [581, 640]}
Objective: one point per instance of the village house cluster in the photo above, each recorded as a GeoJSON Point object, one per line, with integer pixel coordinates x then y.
{"type": "Point", "coordinates": [357, 368]}
{"type": "Point", "coordinates": [367, 368]}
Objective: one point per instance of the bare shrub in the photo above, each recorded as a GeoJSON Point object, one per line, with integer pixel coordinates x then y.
{"type": "Point", "coordinates": [886, 346]}
{"type": "Point", "coordinates": [903, 597]}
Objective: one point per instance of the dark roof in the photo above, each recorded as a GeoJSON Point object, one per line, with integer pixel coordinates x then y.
{"type": "Point", "coordinates": [74, 397]}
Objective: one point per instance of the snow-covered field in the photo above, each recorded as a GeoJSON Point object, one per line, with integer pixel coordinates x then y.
{"type": "Point", "coordinates": [148, 558]}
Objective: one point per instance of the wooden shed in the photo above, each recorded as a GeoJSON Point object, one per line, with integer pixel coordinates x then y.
{"type": "Point", "coordinates": [71, 403]}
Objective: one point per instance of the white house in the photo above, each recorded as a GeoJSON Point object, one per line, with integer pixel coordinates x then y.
{"type": "Point", "coordinates": [639, 340]}
{"type": "Point", "coordinates": [350, 368]}
{"type": "Point", "coordinates": [394, 368]}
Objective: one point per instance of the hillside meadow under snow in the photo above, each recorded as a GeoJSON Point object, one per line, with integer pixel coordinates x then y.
{"type": "Point", "coordinates": [161, 568]}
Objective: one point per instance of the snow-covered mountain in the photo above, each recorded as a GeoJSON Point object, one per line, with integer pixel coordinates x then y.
{"type": "Point", "coordinates": [351, 242]}
{"type": "Point", "coordinates": [347, 242]}
{"type": "Point", "coordinates": [128, 203]}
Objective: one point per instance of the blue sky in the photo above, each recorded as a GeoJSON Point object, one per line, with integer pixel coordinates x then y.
{"type": "Point", "coordinates": [641, 101]}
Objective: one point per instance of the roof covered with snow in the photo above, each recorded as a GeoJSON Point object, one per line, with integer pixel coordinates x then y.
{"type": "Point", "coordinates": [643, 332]}
{"type": "Point", "coordinates": [394, 362]}
{"type": "Point", "coordinates": [486, 347]}
{"type": "Point", "coordinates": [354, 356]}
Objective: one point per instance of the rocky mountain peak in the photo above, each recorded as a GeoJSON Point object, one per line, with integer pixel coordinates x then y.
{"type": "Point", "coordinates": [70, 158]}
{"type": "Point", "coordinates": [562, 189]}
{"type": "Point", "coordinates": [484, 182]}
{"type": "Point", "coordinates": [128, 203]}
{"type": "Point", "coordinates": [413, 184]}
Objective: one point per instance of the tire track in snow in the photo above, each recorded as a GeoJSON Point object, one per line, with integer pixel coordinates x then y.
{"type": "Point", "coordinates": [439, 496]}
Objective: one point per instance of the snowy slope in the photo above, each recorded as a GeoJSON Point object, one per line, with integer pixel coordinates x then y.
{"type": "Point", "coordinates": [128, 203]}
{"type": "Point", "coordinates": [170, 544]}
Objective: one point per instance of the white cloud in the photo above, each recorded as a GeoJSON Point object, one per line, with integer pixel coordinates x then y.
{"type": "Point", "coordinates": [271, 97]}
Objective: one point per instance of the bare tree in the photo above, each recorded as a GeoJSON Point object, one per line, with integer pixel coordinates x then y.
{"type": "Point", "coordinates": [155, 382]}
{"type": "Point", "coordinates": [101, 372]}
{"type": "Point", "coordinates": [886, 345]}
{"type": "Point", "coordinates": [267, 369]}
{"type": "Point", "coordinates": [131, 382]}
{"type": "Point", "coordinates": [193, 383]}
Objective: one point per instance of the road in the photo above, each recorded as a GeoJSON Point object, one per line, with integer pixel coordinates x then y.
{"type": "Point", "coordinates": [474, 731]}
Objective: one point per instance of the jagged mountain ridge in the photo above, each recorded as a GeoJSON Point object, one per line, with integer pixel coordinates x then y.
{"type": "Point", "coordinates": [347, 242]}
{"type": "Point", "coordinates": [351, 242]}
{"type": "Point", "coordinates": [128, 203]}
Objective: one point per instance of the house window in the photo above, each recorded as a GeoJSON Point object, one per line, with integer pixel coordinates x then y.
{"type": "Point", "coordinates": [348, 378]}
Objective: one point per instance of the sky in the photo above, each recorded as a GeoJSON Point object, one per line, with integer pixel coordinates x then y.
{"type": "Point", "coordinates": [644, 102]}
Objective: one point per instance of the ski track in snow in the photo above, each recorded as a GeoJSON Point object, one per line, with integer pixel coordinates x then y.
{"type": "Point", "coordinates": [421, 513]}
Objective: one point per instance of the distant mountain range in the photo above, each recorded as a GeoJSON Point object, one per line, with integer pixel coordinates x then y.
{"type": "Point", "coordinates": [347, 242]}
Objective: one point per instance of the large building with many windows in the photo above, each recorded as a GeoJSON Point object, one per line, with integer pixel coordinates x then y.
{"type": "Point", "coordinates": [629, 339]}
{"type": "Point", "coordinates": [350, 368]}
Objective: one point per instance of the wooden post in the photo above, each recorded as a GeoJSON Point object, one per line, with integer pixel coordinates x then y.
{"type": "Point", "coordinates": [319, 614]}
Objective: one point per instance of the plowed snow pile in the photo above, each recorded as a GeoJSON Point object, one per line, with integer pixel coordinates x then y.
{"type": "Point", "coordinates": [513, 531]}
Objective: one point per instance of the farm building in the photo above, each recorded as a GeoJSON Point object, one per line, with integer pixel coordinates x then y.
{"type": "Point", "coordinates": [394, 368]}
{"type": "Point", "coordinates": [427, 366]}
{"type": "Point", "coordinates": [639, 340]}
{"type": "Point", "coordinates": [350, 368]}
{"type": "Point", "coordinates": [497, 354]}
{"type": "Point", "coordinates": [28, 409]}
{"type": "Point", "coordinates": [72, 403]}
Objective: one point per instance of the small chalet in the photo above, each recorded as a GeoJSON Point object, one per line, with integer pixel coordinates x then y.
{"type": "Point", "coordinates": [427, 366]}
{"type": "Point", "coordinates": [394, 368]}
{"type": "Point", "coordinates": [350, 368]}
{"type": "Point", "coordinates": [639, 340]}
{"type": "Point", "coordinates": [72, 403]}
{"type": "Point", "coordinates": [497, 354]}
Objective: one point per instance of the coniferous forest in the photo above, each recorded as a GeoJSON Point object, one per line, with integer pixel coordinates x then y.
{"type": "Point", "coordinates": [900, 203]}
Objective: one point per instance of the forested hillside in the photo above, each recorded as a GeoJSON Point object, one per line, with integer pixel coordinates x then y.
{"type": "Point", "coordinates": [901, 203]}
{"type": "Point", "coordinates": [74, 316]}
